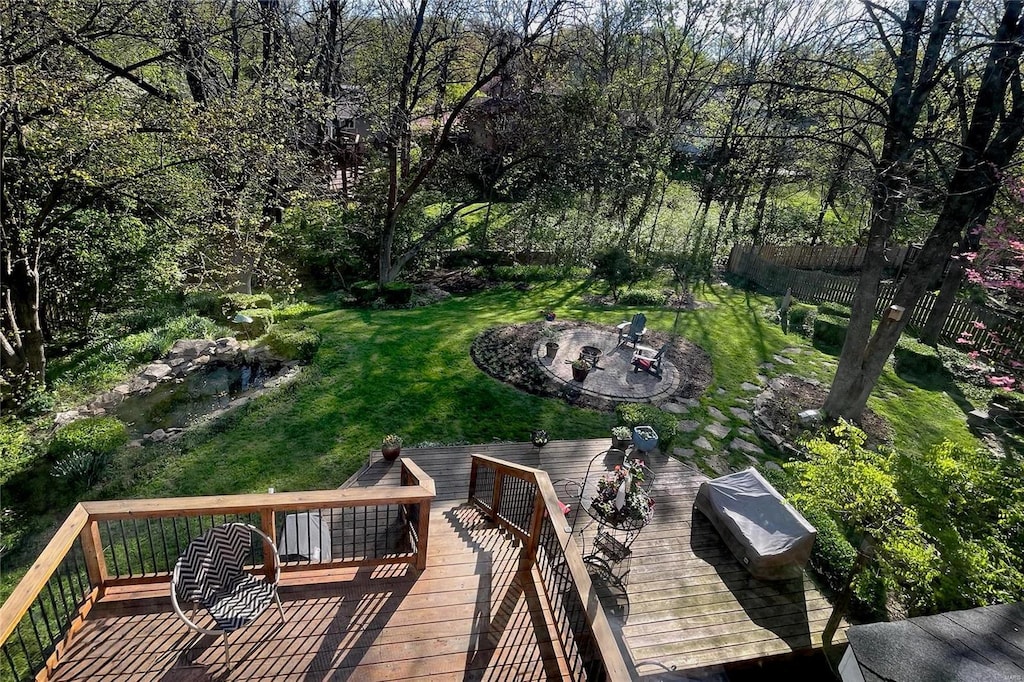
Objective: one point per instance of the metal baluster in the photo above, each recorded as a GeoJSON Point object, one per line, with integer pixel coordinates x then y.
{"type": "Point", "coordinates": [77, 572]}
{"type": "Point", "coordinates": [10, 662]}
{"type": "Point", "coordinates": [163, 543]}
{"type": "Point", "coordinates": [35, 629]}
{"type": "Point", "coordinates": [113, 549]}
{"type": "Point", "coordinates": [152, 547]}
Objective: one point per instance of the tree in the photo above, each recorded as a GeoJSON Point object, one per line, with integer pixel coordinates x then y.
{"type": "Point", "coordinates": [995, 131]}
{"type": "Point", "coordinates": [79, 128]}
{"type": "Point", "coordinates": [437, 49]}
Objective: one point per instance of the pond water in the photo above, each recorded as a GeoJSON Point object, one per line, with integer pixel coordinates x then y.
{"type": "Point", "coordinates": [176, 405]}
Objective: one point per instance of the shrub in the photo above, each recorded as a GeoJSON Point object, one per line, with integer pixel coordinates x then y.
{"type": "Point", "coordinates": [262, 319]}
{"type": "Point", "coordinates": [81, 467]}
{"type": "Point", "coordinates": [92, 434]}
{"type": "Point", "coordinates": [635, 414]}
{"type": "Point", "coordinates": [798, 314]}
{"type": "Point", "coordinates": [529, 273]}
{"type": "Point", "coordinates": [829, 330]}
{"type": "Point", "coordinates": [293, 341]}
{"type": "Point", "coordinates": [912, 356]}
{"type": "Point", "coordinates": [834, 309]}
{"type": "Point", "coordinates": [364, 291]}
{"type": "Point", "coordinates": [232, 304]}
{"type": "Point", "coordinates": [205, 303]}
{"type": "Point", "coordinates": [651, 297]}
{"type": "Point", "coordinates": [397, 293]}
{"type": "Point", "coordinates": [17, 448]}
{"type": "Point", "coordinates": [616, 267]}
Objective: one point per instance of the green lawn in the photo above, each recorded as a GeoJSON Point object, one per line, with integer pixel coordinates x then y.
{"type": "Point", "coordinates": [409, 372]}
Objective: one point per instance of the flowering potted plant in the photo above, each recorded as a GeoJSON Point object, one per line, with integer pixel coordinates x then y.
{"type": "Point", "coordinates": [391, 447]}
{"type": "Point", "coordinates": [620, 497]}
{"type": "Point", "coordinates": [621, 437]}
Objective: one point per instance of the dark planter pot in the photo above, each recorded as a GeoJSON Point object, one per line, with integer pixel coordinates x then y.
{"type": "Point", "coordinates": [391, 454]}
{"type": "Point", "coordinates": [552, 349]}
{"type": "Point", "coordinates": [621, 443]}
{"type": "Point", "coordinates": [580, 373]}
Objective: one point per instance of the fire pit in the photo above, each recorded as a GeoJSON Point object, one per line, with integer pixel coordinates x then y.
{"type": "Point", "coordinates": [590, 355]}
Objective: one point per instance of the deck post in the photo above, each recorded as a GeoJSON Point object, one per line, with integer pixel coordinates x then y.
{"type": "Point", "coordinates": [536, 521]}
{"type": "Point", "coordinates": [499, 482]}
{"type": "Point", "coordinates": [268, 524]}
{"type": "Point", "coordinates": [95, 560]}
{"type": "Point", "coordinates": [422, 531]}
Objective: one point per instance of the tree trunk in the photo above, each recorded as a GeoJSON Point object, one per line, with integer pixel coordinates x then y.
{"type": "Point", "coordinates": [24, 354]}
{"type": "Point", "coordinates": [943, 304]}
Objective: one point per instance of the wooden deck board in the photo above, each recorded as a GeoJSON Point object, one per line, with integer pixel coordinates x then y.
{"type": "Point", "coordinates": [467, 616]}
{"type": "Point", "coordinates": [691, 605]}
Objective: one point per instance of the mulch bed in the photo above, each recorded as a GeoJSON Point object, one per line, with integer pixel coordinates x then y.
{"type": "Point", "coordinates": [506, 353]}
{"type": "Point", "coordinates": [787, 396]}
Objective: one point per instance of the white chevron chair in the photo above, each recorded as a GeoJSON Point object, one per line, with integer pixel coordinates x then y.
{"type": "Point", "coordinates": [211, 573]}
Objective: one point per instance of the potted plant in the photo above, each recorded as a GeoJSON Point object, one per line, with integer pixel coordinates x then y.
{"type": "Point", "coordinates": [580, 369]}
{"type": "Point", "coordinates": [622, 438]}
{"type": "Point", "coordinates": [391, 447]}
{"type": "Point", "coordinates": [552, 349]}
{"type": "Point", "coordinates": [620, 497]}
{"type": "Point", "coordinates": [539, 437]}
{"type": "Point", "coordinates": [645, 438]}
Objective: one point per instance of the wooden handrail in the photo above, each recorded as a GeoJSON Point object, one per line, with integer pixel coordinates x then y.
{"type": "Point", "coordinates": [252, 503]}
{"type": "Point", "coordinates": [21, 599]}
{"type": "Point", "coordinates": [81, 523]}
{"type": "Point", "coordinates": [547, 502]}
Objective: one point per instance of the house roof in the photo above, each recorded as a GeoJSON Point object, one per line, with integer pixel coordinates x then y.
{"type": "Point", "coordinates": [977, 645]}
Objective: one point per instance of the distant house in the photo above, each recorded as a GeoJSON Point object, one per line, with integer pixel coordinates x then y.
{"type": "Point", "coordinates": [977, 645]}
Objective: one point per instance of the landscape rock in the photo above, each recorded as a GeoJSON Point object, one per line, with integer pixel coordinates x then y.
{"type": "Point", "coordinates": [687, 426]}
{"type": "Point", "coordinates": [63, 418]}
{"type": "Point", "coordinates": [772, 466]}
{"type": "Point", "coordinates": [746, 431]}
{"type": "Point", "coordinates": [740, 413]}
{"type": "Point", "coordinates": [157, 436]}
{"type": "Point", "coordinates": [703, 444]}
{"type": "Point", "coordinates": [685, 453]}
{"type": "Point", "coordinates": [717, 430]}
{"type": "Point", "coordinates": [745, 447]}
{"type": "Point", "coordinates": [717, 415]}
{"type": "Point", "coordinates": [767, 366]}
{"type": "Point", "coordinates": [747, 386]}
{"type": "Point", "coordinates": [156, 371]}
{"type": "Point", "coordinates": [675, 408]}
{"type": "Point", "coordinates": [782, 360]}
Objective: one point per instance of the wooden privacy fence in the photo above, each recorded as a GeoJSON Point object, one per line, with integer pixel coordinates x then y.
{"type": "Point", "coordinates": [823, 256]}
{"type": "Point", "coordinates": [1006, 341]}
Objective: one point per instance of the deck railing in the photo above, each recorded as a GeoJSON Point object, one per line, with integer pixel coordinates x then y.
{"type": "Point", "coordinates": [132, 542]}
{"type": "Point", "coordinates": [523, 501]}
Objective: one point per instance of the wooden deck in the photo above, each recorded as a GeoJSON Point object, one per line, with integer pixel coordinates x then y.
{"type": "Point", "coordinates": [470, 615]}
{"type": "Point", "coordinates": [689, 604]}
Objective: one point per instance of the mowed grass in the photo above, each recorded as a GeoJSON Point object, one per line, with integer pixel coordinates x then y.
{"type": "Point", "coordinates": [409, 372]}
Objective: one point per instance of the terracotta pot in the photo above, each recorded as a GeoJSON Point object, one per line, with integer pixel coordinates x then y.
{"type": "Point", "coordinates": [580, 373]}
{"type": "Point", "coordinates": [391, 454]}
{"type": "Point", "coordinates": [552, 349]}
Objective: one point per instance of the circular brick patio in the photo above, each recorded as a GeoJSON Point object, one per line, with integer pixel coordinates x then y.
{"type": "Point", "coordinates": [613, 378]}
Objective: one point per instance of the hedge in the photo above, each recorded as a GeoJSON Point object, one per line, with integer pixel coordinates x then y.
{"type": "Point", "coordinates": [397, 293]}
{"type": "Point", "coordinates": [98, 435]}
{"type": "Point", "coordinates": [262, 319]}
{"type": "Point", "coordinates": [912, 356]}
{"type": "Point", "coordinates": [232, 304]}
{"type": "Point", "coordinates": [829, 330]}
{"type": "Point", "coordinates": [652, 297]}
{"type": "Point", "coordinates": [293, 341]}
{"type": "Point", "coordinates": [364, 291]}
{"type": "Point", "coordinates": [798, 314]}
{"type": "Point", "coordinates": [834, 309]}
{"type": "Point", "coordinates": [635, 414]}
